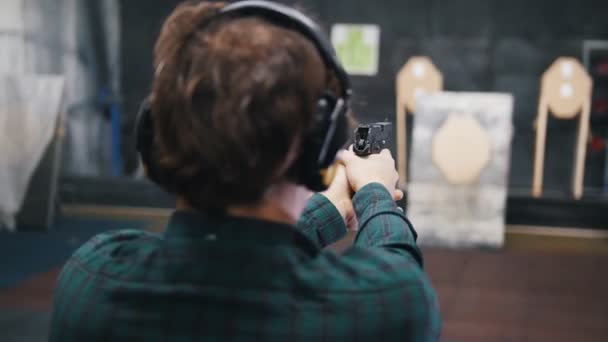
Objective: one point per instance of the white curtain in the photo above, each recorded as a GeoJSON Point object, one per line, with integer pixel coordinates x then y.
{"type": "Point", "coordinates": [57, 37]}
{"type": "Point", "coordinates": [79, 42]}
{"type": "Point", "coordinates": [29, 109]}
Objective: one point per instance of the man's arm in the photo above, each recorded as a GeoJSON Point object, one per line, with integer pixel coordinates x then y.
{"type": "Point", "coordinates": [385, 261]}
{"type": "Point", "coordinates": [321, 221]}
{"type": "Point", "coordinates": [386, 244]}
{"type": "Point", "coordinates": [382, 224]}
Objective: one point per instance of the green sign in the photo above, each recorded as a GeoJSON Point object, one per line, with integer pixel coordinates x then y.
{"type": "Point", "coordinates": [357, 47]}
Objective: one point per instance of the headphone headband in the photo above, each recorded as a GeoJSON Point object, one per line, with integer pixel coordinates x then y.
{"type": "Point", "coordinates": [288, 17]}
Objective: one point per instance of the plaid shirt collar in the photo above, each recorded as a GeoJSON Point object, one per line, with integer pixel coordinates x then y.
{"type": "Point", "coordinates": [222, 229]}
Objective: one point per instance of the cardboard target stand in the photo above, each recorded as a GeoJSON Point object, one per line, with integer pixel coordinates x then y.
{"type": "Point", "coordinates": [417, 77]}
{"type": "Point", "coordinates": [565, 92]}
{"type": "Point", "coordinates": [457, 187]}
{"type": "Point", "coordinates": [459, 168]}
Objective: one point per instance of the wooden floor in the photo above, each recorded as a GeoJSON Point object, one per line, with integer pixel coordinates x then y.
{"type": "Point", "coordinates": [520, 295]}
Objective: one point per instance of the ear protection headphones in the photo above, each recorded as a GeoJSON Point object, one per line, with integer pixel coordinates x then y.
{"type": "Point", "coordinates": [329, 133]}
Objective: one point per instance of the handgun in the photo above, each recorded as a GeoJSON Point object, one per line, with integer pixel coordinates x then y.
{"type": "Point", "coordinates": [368, 139]}
{"type": "Point", "coordinates": [372, 138]}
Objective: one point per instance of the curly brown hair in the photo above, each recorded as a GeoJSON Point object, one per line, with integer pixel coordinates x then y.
{"type": "Point", "coordinates": [230, 99]}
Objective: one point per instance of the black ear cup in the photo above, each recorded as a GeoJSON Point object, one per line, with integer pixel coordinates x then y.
{"type": "Point", "coordinates": [337, 133]}
{"type": "Point", "coordinates": [144, 143]}
{"type": "Point", "coordinates": [322, 143]}
{"type": "Point", "coordinates": [333, 129]}
{"type": "Point", "coordinates": [144, 130]}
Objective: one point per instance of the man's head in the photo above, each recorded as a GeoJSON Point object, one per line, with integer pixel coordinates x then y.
{"type": "Point", "coordinates": [231, 101]}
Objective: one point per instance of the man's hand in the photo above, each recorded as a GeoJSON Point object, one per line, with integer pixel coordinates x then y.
{"type": "Point", "coordinates": [353, 173]}
{"type": "Point", "coordinates": [375, 168]}
{"type": "Point", "coordinates": [340, 195]}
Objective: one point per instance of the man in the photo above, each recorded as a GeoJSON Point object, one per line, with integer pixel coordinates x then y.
{"type": "Point", "coordinates": [236, 98]}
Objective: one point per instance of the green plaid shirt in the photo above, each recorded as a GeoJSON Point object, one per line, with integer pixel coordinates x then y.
{"type": "Point", "coordinates": [214, 278]}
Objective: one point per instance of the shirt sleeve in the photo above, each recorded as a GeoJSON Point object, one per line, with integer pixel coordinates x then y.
{"type": "Point", "coordinates": [382, 224]}
{"type": "Point", "coordinates": [321, 222]}
{"type": "Point", "coordinates": [385, 250]}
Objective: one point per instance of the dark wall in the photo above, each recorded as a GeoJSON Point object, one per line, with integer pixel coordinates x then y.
{"type": "Point", "coordinates": [486, 45]}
